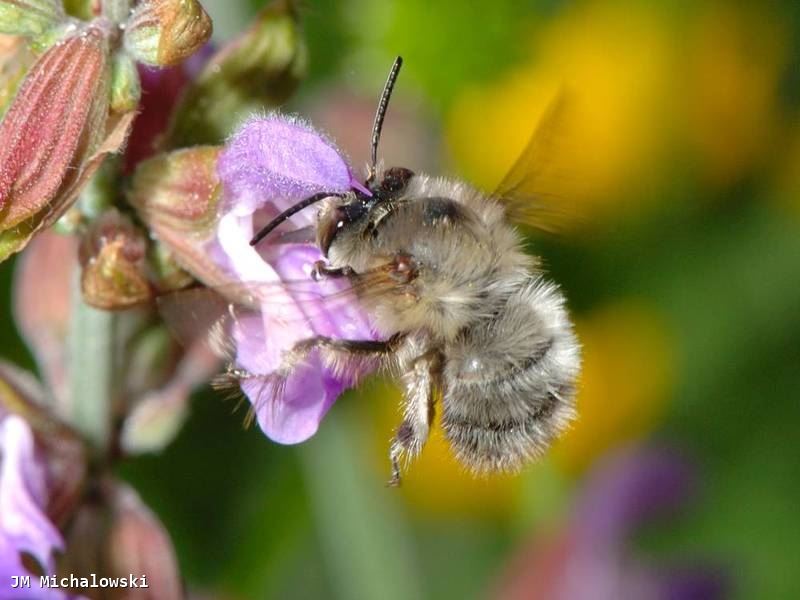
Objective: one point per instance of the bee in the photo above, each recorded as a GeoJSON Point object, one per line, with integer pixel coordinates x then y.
{"type": "Point", "coordinates": [471, 326]}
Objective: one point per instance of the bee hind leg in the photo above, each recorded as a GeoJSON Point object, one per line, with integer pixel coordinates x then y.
{"type": "Point", "coordinates": [419, 407]}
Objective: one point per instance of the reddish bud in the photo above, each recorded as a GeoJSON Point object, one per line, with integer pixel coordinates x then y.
{"type": "Point", "coordinates": [179, 189]}
{"type": "Point", "coordinates": [113, 534]}
{"type": "Point", "coordinates": [57, 121]}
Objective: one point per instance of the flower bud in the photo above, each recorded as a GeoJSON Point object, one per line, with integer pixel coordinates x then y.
{"type": "Point", "coordinates": [41, 307]}
{"type": "Point", "coordinates": [176, 195]}
{"type": "Point", "coordinates": [30, 17]}
{"type": "Point", "coordinates": [114, 272]}
{"type": "Point", "coordinates": [258, 69]}
{"type": "Point", "coordinates": [165, 32]}
{"type": "Point", "coordinates": [114, 535]}
{"type": "Point", "coordinates": [159, 414]}
{"type": "Point", "coordinates": [138, 544]}
{"type": "Point", "coordinates": [55, 124]}
{"type": "Point", "coordinates": [126, 88]}
{"type": "Point", "coordinates": [156, 420]}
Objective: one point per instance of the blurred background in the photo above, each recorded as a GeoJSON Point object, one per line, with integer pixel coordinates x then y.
{"type": "Point", "coordinates": [680, 475]}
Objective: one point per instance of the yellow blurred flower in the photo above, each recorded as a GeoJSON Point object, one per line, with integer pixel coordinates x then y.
{"type": "Point", "coordinates": [615, 60]}
{"type": "Point", "coordinates": [644, 89]}
{"type": "Point", "coordinates": [626, 379]}
{"type": "Point", "coordinates": [735, 57]}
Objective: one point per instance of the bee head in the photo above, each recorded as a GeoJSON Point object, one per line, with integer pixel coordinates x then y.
{"type": "Point", "coordinates": [346, 211]}
{"type": "Point", "coordinates": [393, 182]}
{"type": "Point", "coordinates": [357, 212]}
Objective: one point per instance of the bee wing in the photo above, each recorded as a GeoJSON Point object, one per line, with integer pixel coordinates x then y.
{"type": "Point", "coordinates": [303, 235]}
{"type": "Point", "coordinates": [326, 307]}
{"type": "Point", "coordinates": [540, 189]}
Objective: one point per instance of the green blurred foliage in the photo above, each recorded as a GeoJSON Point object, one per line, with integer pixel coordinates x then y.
{"type": "Point", "coordinates": [719, 262]}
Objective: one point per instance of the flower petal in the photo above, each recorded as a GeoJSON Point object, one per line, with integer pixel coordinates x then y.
{"type": "Point", "coordinates": [268, 165]}
{"type": "Point", "coordinates": [280, 160]}
{"type": "Point", "coordinates": [24, 527]}
{"type": "Point", "coordinates": [309, 393]}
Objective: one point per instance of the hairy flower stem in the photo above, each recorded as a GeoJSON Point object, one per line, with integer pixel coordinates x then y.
{"type": "Point", "coordinates": [91, 342]}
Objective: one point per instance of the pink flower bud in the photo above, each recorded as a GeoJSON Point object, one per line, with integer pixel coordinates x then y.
{"type": "Point", "coordinates": [42, 306]}
{"type": "Point", "coordinates": [138, 545]}
{"type": "Point", "coordinates": [55, 124]}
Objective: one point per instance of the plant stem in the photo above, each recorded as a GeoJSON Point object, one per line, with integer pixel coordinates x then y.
{"type": "Point", "coordinates": [91, 369]}
{"type": "Point", "coordinates": [116, 10]}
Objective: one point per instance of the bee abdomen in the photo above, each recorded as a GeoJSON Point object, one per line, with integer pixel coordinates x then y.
{"type": "Point", "coordinates": [509, 383]}
{"type": "Point", "coordinates": [506, 444]}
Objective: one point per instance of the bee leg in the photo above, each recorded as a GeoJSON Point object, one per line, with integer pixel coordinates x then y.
{"type": "Point", "coordinates": [341, 355]}
{"type": "Point", "coordinates": [420, 383]}
{"type": "Point", "coordinates": [321, 270]}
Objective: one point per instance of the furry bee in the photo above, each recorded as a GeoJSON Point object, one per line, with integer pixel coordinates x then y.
{"type": "Point", "coordinates": [471, 322]}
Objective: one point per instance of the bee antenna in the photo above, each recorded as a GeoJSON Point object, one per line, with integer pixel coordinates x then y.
{"type": "Point", "coordinates": [380, 114]}
{"type": "Point", "coordinates": [295, 208]}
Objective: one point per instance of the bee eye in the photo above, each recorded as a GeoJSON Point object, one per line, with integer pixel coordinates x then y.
{"type": "Point", "coordinates": [395, 179]}
{"type": "Point", "coordinates": [341, 217]}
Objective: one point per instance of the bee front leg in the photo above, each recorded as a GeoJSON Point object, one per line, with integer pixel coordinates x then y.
{"type": "Point", "coordinates": [420, 384]}
{"type": "Point", "coordinates": [341, 355]}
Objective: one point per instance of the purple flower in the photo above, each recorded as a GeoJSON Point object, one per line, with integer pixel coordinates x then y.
{"type": "Point", "coordinates": [591, 559]}
{"type": "Point", "coordinates": [268, 165]}
{"type": "Point", "coordinates": [24, 526]}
